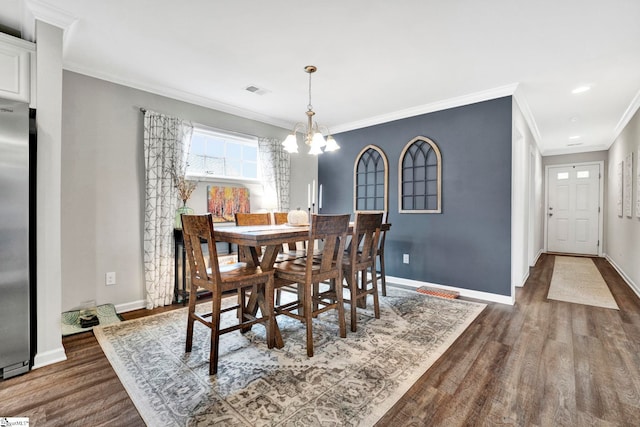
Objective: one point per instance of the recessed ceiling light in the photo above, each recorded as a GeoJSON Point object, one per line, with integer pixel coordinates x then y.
{"type": "Point", "coordinates": [573, 144]}
{"type": "Point", "coordinates": [574, 137]}
{"type": "Point", "coordinates": [581, 89]}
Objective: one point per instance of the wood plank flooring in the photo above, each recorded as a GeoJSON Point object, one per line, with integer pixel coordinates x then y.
{"type": "Point", "coordinates": [537, 363]}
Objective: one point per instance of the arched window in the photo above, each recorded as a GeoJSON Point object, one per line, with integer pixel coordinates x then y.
{"type": "Point", "coordinates": [370, 177]}
{"type": "Point", "coordinates": [420, 177]}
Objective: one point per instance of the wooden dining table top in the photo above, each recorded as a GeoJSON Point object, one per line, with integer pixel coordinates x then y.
{"type": "Point", "coordinates": [266, 235]}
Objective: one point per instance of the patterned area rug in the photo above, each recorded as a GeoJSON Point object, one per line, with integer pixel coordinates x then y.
{"type": "Point", "coordinates": [579, 281]}
{"type": "Point", "coordinates": [71, 320]}
{"type": "Point", "coordinates": [350, 381]}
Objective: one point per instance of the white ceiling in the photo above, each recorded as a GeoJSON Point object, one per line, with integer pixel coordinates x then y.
{"type": "Point", "coordinates": [377, 60]}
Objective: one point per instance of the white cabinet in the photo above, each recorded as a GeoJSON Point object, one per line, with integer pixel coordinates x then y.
{"type": "Point", "coordinates": [16, 56]}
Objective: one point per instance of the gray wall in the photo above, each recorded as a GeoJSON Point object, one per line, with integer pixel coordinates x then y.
{"type": "Point", "coordinates": [468, 245]}
{"type": "Point", "coordinates": [103, 183]}
{"type": "Point", "coordinates": [622, 245]}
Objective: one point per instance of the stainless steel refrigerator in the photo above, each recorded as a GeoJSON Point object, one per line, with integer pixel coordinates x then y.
{"type": "Point", "coordinates": [16, 293]}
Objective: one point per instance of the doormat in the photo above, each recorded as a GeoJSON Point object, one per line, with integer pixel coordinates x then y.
{"type": "Point", "coordinates": [71, 319]}
{"type": "Point", "coordinates": [438, 292]}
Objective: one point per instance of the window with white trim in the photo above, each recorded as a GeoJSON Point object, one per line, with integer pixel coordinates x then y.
{"type": "Point", "coordinates": [217, 154]}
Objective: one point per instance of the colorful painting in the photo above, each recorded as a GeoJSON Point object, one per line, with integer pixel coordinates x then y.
{"type": "Point", "coordinates": [224, 202]}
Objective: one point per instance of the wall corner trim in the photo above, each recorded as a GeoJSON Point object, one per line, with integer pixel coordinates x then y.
{"type": "Point", "coordinates": [49, 357]}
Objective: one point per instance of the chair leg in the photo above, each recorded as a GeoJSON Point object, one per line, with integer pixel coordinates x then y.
{"type": "Point", "coordinates": [353, 291]}
{"type": "Point", "coordinates": [215, 333]}
{"type": "Point", "coordinates": [308, 316]}
{"type": "Point", "coordinates": [340, 301]}
{"type": "Point", "coordinates": [383, 279]}
{"type": "Point", "coordinates": [374, 284]}
{"type": "Point", "coordinates": [271, 323]}
{"type": "Point", "coordinates": [314, 295]}
{"type": "Point", "coordinates": [190, 319]}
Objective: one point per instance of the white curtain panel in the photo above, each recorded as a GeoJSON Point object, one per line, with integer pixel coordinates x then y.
{"type": "Point", "coordinates": [166, 143]}
{"type": "Point", "coordinates": [276, 170]}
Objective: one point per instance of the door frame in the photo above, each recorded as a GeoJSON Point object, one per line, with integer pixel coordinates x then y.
{"type": "Point", "coordinates": [600, 163]}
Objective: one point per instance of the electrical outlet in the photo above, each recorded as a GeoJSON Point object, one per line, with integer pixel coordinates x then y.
{"type": "Point", "coordinates": [110, 278]}
{"type": "Point", "coordinates": [405, 258]}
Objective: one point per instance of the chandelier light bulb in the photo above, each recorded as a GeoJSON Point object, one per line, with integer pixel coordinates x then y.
{"type": "Point", "coordinates": [312, 135]}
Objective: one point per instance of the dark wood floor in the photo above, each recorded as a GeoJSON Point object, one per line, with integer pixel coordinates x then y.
{"type": "Point", "coordinates": [537, 363]}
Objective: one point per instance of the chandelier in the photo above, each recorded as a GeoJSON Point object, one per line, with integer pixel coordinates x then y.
{"type": "Point", "coordinates": [311, 131]}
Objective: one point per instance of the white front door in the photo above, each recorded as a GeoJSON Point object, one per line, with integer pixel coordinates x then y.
{"type": "Point", "coordinates": [573, 209]}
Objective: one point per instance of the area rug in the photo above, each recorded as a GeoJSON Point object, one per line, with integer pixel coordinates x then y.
{"type": "Point", "coordinates": [71, 319]}
{"type": "Point", "coordinates": [578, 280]}
{"type": "Point", "coordinates": [349, 381]}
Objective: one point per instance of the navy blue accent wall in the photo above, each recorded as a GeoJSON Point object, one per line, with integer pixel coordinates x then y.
{"type": "Point", "coordinates": [468, 245]}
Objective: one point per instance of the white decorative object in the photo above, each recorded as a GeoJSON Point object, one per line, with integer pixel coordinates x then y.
{"type": "Point", "coordinates": [628, 185]}
{"type": "Point", "coordinates": [298, 217]}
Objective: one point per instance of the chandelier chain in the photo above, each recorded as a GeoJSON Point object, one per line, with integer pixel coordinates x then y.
{"type": "Point", "coordinates": [309, 106]}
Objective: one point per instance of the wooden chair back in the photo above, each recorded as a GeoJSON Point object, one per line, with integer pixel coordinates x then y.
{"type": "Point", "coordinates": [366, 231]}
{"type": "Point", "coordinates": [280, 217]}
{"type": "Point", "coordinates": [197, 230]}
{"type": "Point", "coordinates": [253, 218]}
{"type": "Point", "coordinates": [332, 231]}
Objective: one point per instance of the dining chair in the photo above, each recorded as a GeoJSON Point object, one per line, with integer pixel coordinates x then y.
{"type": "Point", "coordinates": [206, 273]}
{"type": "Point", "coordinates": [379, 269]}
{"type": "Point", "coordinates": [359, 262]}
{"type": "Point", "coordinates": [306, 273]}
{"type": "Point", "coordinates": [262, 218]}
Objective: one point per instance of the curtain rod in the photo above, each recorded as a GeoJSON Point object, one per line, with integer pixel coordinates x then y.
{"type": "Point", "coordinates": [143, 110]}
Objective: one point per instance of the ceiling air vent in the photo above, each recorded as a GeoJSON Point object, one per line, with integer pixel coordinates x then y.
{"type": "Point", "coordinates": [255, 89]}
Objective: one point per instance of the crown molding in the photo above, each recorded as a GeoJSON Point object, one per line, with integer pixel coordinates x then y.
{"type": "Point", "coordinates": [528, 116]}
{"type": "Point", "coordinates": [46, 12]}
{"type": "Point", "coordinates": [178, 95]}
{"type": "Point", "coordinates": [626, 117]}
{"type": "Point", "coordinates": [459, 101]}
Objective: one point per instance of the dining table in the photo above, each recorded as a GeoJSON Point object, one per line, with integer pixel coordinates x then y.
{"type": "Point", "coordinates": [270, 238]}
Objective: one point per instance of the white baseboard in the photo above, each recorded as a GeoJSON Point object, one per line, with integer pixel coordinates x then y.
{"type": "Point", "coordinates": [485, 296]}
{"type": "Point", "coordinates": [130, 306]}
{"type": "Point", "coordinates": [49, 357]}
{"type": "Point", "coordinates": [523, 280]}
{"type": "Point", "coordinates": [634, 287]}
{"type": "Point", "coordinates": [535, 261]}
